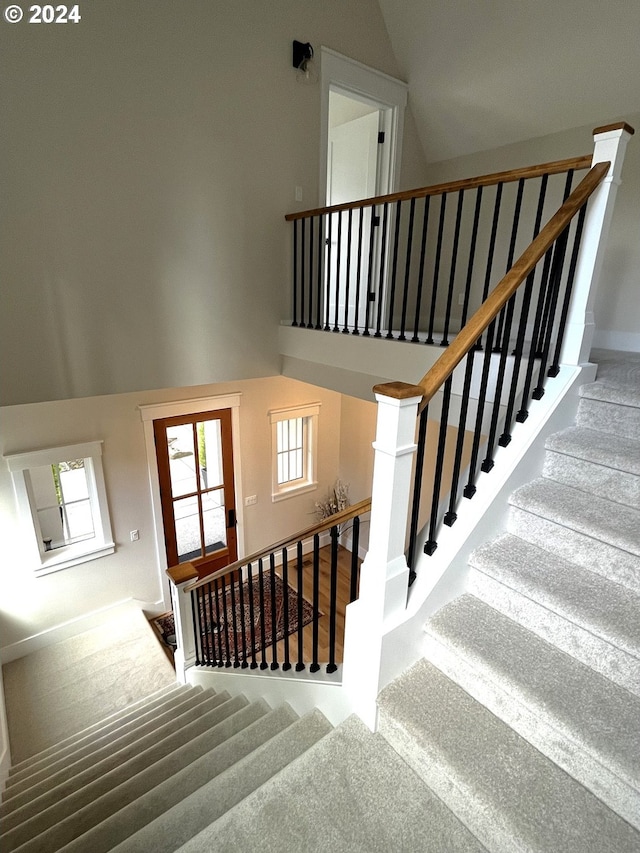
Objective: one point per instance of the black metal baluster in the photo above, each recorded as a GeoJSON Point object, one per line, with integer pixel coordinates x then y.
{"type": "Point", "coordinates": [295, 273]}
{"type": "Point", "coordinates": [407, 271]}
{"type": "Point", "coordinates": [336, 311]}
{"type": "Point", "coordinates": [394, 271]}
{"type": "Point", "coordinates": [497, 347]}
{"type": "Point", "coordinates": [243, 620]}
{"type": "Point", "coordinates": [451, 516]}
{"type": "Point", "coordinates": [263, 633]}
{"type": "Point", "coordinates": [320, 289]}
{"type": "Point", "coordinates": [557, 266]}
{"type": "Point", "coordinates": [252, 618]}
{"type": "Point", "coordinates": [234, 622]}
{"type": "Point", "coordinates": [431, 544]}
{"type": "Point", "coordinates": [523, 414]}
{"type": "Point", "coordinates": [492, 246]}
{"type": "Point", "coordinates": [470, 488]}
{"type": "Point", "coordinates": [417, 490]}
{"type": "Point", "coordinates": [381, 277]}
{"type": "Point", "coordinates": [327, 325]}
{"type": "Point", "coordinates": [310, 316]}
{"type": "Point", "coordinates": [356, 319]}
{"type": "Point", "coordinates": [472, 255]}
{"type": "Point", "coordinates": [227, 645]}
{"type": "Point", "coordinates": [274, 611]}
{"type": "Point", "coordinates": [423, 250]}
{"type": "Point", "coordinates": [577, 239]}
{"type": "Point", "coordinates": [302, 270]}
{"type": "Point", "coordinates": [436, 269]}
{"type": "Point", "coordinates": [452, 275]}
{"type": "Point", "coordinates": [300, 565]}
{"type": "Point", "coordinates": [333, 598]}
{"type": "Point", "coordinates": [345, 328]}
{"type": "Point", "coordinates": [372, 241]}
{"type": "Point", "coordinates": [216, 630]}
{"type": "Point", "coordinates": [209, 622]}
{"type": "Point", "coordinates": [197, 627]}
{"type": "Point", "coordinates": [285, 611]}
{"type": "Point", "coordinates": [355, 559]}
{"type": "Point", "coordinates": [315, 666]}
{"type": "Point", "coordinates": [505, 438]}
{"type": "Point", "coordinates": [505, 322]}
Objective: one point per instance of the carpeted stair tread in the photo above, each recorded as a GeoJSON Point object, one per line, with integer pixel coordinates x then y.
{"type": "Point", "coordinates": [76, 814]}
{"type": "Point", "coordinates": [117, 663]}
{"type": "Point", "coordinates": [509, 795]}
{"type": "Point", "coordinates": [596, 462]}
{"type": "Point", "coordinates": [585, 724]}
{"type": "Point", "coordinates": [174, 811]}
{"type": "Point", "coordinates": [583, 598]}
{"type": "Point", "coordinates": [111, 721]}
{"type": "Point", "coordinates": [590, 531]}
{"type": "Point", "coordinates": [105, 742]}
{"type": "Point", "coordinates": [38, 792]}
{"type": "Point", "coordinates": [350, 792]}
{"type": "Point", "coordinates": [609, 416]}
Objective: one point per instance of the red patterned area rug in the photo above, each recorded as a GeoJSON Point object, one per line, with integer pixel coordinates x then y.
{"type": "Point", "coordinates": [217, 632]}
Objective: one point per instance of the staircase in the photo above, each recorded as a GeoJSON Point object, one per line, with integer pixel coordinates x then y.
{"type": "Point", "coordinates": [518, 730]}
{"type": "Point", "coordinates": [524, 714]}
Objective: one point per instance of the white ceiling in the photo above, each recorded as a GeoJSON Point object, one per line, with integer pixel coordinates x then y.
{"type": "Point", "coordinates": [485, 73]}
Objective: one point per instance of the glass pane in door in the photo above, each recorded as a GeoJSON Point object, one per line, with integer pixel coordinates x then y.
{"type": "Point", "coordinates": [182, 459]}
{"type": "Point", "coordinates": [187, 526]}
{"type": "Point", "coordinates": [210, 452]}
{"type": "Point", "coordinates": [214, 520]}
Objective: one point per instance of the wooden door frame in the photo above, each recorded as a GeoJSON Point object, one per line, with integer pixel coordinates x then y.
{"type": "Point", "coordinates": [153, 411]}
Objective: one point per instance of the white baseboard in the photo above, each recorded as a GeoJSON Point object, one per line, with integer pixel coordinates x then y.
{"type": "Point", "coordinates": [620, 341]}
{"type": "Point", "coordinates": [71, 628]}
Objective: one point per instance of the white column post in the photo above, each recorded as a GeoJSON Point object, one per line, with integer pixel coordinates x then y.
{"type": "Point", "coordinates": [384, 574]}
{"type": "Point", "coordinates": [610, 143]}
{"type": "Point", "coordinates": [185, 653]}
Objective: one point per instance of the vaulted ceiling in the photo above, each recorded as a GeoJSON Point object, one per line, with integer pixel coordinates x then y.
{"type": "Point", "coordinates": [485, 73]}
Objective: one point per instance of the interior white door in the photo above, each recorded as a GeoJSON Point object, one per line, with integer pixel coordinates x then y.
{"type": "Point", "coordinates": [351, 175]}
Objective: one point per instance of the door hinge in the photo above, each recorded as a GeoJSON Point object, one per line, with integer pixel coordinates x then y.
{"type": "Point", "coordinates": [380, 137]}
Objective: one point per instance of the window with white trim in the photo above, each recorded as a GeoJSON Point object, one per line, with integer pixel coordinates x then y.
{"type": "Point", "coordinates": [62, 503]}
{"type": "Point", "coordinates": [294, 449]}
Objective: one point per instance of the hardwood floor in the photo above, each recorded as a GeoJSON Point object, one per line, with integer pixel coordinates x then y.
{"type": "Point", "coordinates": [324, 599]}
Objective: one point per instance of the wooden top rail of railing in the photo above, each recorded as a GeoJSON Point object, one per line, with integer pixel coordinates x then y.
{"type": "Point", "coordinates": [326, 524]}
{"type": "Point", "coordinates": [553, 168]}
{"type": "Point", "coordinates": [432, 381]}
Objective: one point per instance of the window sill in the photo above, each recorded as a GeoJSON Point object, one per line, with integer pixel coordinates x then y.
{"type": "Point", "coordinates": [293, 491]}
{"type": "Point", "coordinates": [73, 556]}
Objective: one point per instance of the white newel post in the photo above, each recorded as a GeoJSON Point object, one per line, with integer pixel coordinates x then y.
{"type": "Point", "coordinates": [384, 575]}
{"type": "Point", "coordinates": [185, 653]}
{"type": "Point", "coordinates": [610, 144]}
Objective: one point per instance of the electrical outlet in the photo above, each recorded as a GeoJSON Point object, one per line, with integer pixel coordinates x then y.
{"type": "Point", "coordinates": [251, 500]}
{"type": "Point", "coordinates": [298, 193]}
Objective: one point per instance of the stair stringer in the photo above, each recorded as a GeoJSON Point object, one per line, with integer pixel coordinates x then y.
{"type": "Point", "coordinates": [442, 577]}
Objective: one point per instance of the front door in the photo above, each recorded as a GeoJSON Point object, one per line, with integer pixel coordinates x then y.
{"type": "Point", "coordinates": [195, 469]}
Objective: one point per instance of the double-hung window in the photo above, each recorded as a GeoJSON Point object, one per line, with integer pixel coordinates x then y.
{"type": "Point", "coordinates": [294, 449]}
{"type": "Point", "coordinates": [62, 503]}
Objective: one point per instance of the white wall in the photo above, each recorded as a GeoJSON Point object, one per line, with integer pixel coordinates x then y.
{"type": "Point", "coordinates": [617, 304]}
{"type": "Point", "coordinates": [30, 607]}
{"type": "Point", "coordinates": [150, 154]}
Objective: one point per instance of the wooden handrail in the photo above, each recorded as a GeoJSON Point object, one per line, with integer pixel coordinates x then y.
{"type": "Point", "coordinates": [338, 518]}
{"type": "Point", "coordinates": [553, 168]}
{"type": "Point", "coordinates": [432, 381]}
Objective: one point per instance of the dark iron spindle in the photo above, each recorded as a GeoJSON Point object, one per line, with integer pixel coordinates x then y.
{"type": "Point", "coordinates": [274, 611]}
{"type": "Point", "coordinates": [218, 627]}
{"type": "Point", "coordinates": [452, 275]}
{"type": "Point", "coordinates": [523, 413]}
{"type": "Point", "coordinates": [472, 255]}
{"type": "Point", "coordinates": [295, 273]}
{"type": "Point", "coordinates": [431, 544]}
{"type": "Point", "coordinates": [302, 270]}
{"type": "Point", "coordinates": [333, 597]}
{"type": "Point", "coordinates": [315, 666]}
{"type": "Point", "coordinates": [394, 270]}
{"type": "Point", "coordinates": [355, 561]}
{"type": "Point", "coordinates": [557, 266]}
{"type": "Point", "coordinates": [225, 623]}
{"type": "Point", "coordinates": [417, 490]}
{"type": "Point", "coordinates": [327, 326]}
{"type": "Point", "coordinates": [234, 622]}
{"type": "Point", "coordinates": [492, 245]}
{"type": "Point", "coordinates": [336, 310]}
{"type": "Point", "coordinates": [319, 288]}
{"type": "Point", "coordinates": [381, 276]}
{"type": "Point", "coordinates": [577, 239]}
{"type": "Point", "coordinates": [286, 665]}
{"type": "Point", "coordinates": [407, 271]}
{"type": "Point", "coordinates": [310, 314]}
{"type": "Point", "coordinates": [209, 623]}
{"type": "Point", "coordinates": [505, 320]}
{"type": "Point", "coordinates": [252, 618]}
{"type": "Point", "coordinates": [241, 593]}
{"type": "Point", "coordinates": [345, 327]}
{"type": "Point", "coordinates": [451, 516]}
{"type": "Point", "coordinates": [512, 247]}
{"type": "Point", "coordinates": [263, 633]}
{"type": "Point", "coordinates": [423, 249]}
{"type": "Point", "coordinates": [356, 319]}
{"type": "Point", "coordinates": [436, 269]}
{"type": "Point", "coordinates": [470, 488]}
{"type": "Point", "coordinates": [300, 567]}
{"type": "Point", "coordinates": [197, 628]}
